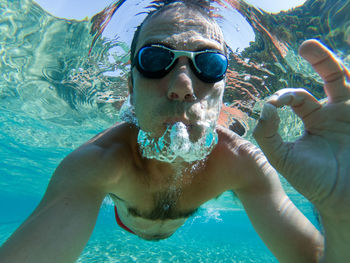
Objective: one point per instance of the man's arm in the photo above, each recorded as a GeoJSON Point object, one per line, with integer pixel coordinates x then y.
{"type": "Point", "coordinates": [288, 234]}
{"type": "Point", "coordinates": [61, 225]}
{"type": "Point", "coordinates": [316, 164]}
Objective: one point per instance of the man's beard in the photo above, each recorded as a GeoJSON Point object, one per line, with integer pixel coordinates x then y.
{"type": "Point", "coordinates": [174, 143]}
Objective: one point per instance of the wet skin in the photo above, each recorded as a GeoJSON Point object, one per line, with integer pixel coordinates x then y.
{"type": "Point", "coordinates": [164, 101]}
{"type": "Point", "coordinates": [158, 103]}
{"type": "Point", "coordinates": [155, 198]}
{"type": "Point", "coordinates": [161, 101]}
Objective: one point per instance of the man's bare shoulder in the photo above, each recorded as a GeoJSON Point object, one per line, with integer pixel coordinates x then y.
{"type": "Point", "coordinates": [113, 142]}
{"type": "Point", "coordinates": [237, 145]}
{"type": "Point", "coordinates": [103, 158]}
{"type": "Point", "coordinates": [240, 161]}
{"type": "Point", "coordinates": [120, 133]}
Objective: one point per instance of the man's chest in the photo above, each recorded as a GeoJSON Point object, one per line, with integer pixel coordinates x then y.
{"type": "Point", "coordinates": [171, 200]}
{"type": "Point", "coordinates": [152, 208]}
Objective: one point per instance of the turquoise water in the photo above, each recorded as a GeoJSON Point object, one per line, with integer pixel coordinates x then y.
{"type": "Point", "coordinates": [54, 96]}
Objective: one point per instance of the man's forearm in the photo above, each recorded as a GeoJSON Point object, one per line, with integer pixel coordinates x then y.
{"type": "Point", "coordinates": [337, 240]}
{"type": "Point", "coordinates": [289, 235]}
{"type": "Point", "coordinates": [57, 231]}
{"type": "Point", "coordinates": [284, 230]}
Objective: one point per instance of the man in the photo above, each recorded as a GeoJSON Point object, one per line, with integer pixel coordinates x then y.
{"type": "Point", "coordinates": [176, 93]}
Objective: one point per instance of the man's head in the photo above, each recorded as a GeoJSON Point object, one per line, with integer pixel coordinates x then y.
{"type": "Point", "coordinates": [200, 6]}
{"type": "Point", "coordinates": [187, 94]}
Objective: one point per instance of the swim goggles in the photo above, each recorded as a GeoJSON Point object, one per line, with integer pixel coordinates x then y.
{"type": "Point", "coordinates": [155, 61]}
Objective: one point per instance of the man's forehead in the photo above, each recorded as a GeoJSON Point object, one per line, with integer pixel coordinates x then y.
{"type": "Point", "coordinates": [182, 27]}
{"type": "Point", "coordinates": [190, 40]}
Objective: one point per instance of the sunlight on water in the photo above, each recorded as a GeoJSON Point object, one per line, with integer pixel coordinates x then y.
{"type": "Point", "coordinates": [49, 77]}
{"type": "Point", "coordinates": [55, 95]}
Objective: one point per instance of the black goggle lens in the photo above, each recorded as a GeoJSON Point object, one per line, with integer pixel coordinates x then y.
{"type": "Point", "coordinates": [154, 59]}
{"type": "Point", "coordinates": [212, 65]}
{"type": "Point", "coordinates": [156, 62]}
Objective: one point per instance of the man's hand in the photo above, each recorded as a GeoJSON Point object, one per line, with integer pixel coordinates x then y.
{"type": "Point", "coordinates": [318, 163]}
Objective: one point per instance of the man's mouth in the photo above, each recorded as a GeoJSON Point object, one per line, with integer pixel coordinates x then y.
{"type": "Point", "coordinates": [178, 141]}
{"type": "Point", "coordinates": [172, 121]}
{"type": "Point", "coordinates": [171, 124]}
{"type": "Point", "coordinates": [189, 124]}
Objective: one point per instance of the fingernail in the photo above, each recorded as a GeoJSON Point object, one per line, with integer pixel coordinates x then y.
{"type": "Point", "coordinates": [267, 111]}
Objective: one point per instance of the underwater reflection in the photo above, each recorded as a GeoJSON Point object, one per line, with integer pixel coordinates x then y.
{"type": "Point", "coordinates": [60, 70]}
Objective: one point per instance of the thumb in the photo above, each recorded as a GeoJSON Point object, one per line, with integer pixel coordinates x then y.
{"type": "Point", "coordinates": [267, 136]}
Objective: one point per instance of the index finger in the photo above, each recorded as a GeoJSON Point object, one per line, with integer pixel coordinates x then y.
{"type": "Point", "coordinates": [330, 69]}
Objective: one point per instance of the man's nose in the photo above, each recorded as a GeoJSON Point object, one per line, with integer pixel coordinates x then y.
{"type": "Point", "coordinates": [181, 82]}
